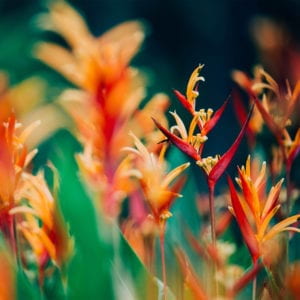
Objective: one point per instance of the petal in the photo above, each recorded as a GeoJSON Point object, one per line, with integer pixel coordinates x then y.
{"type": "Point", "coordinates": [191, 90]}
{"type": "Point", "coordinates": [272, 199]}
{"type": "Point", "coordinates": [250, 195]}
{"type": "Point", "coordinates": [173, 174]}
{"type": "Point", "coordinates": [266, 222]}
{"type": "Point", "coordinates": [293, 100]}
{"type": "Point", "coordinates": [281, 226]}
{"type": "Point", "coordinates": [180, 125]}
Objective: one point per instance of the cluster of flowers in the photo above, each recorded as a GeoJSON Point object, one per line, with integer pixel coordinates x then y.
{"type": "Point", "coordinates": [124, 159]}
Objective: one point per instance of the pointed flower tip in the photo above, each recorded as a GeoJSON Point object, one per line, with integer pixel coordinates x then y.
{"type": "Point", "coordinates": [179, 143]}
{"type": "Point", "coordinates": [222, 164]}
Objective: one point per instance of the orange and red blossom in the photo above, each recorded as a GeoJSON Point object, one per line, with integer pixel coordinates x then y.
{"type": "Point", "coordinates": [275, 106]}
{"type": "Point", "coordinates": [155, 181]}
{"type": "Point", "coordinates": [40, 221]}
{"type": "Point", "coordinates": [106, 104]}
{"type": "Point", "coordinates": [254, 209]}
{"type": "Point", "coordinates": [204, 119]}
{"type": "Point", "coordinates": [14, 158]}
{"type": "Point", "coordinates": [190, 144]}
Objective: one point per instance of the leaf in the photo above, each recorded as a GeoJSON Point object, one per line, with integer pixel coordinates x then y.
{"type": "Point", "coordinates": [179, 143]}
{"type": "Point", "coordinates": [222, 164]}
{"type": "Point", "coordinates": [91, 264]}
{"type": "Point", "coordinates": [247, 232]}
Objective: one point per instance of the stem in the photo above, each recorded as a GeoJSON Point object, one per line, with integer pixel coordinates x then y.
{"type": "Point", "coordinates": [254, 288]}
{"type": "Point", "coordinates": [288, 189]}
{"type": "Point", "coordinates": [163, 261]}
{"type": "Point", "coordinates": [212, 214]}
{"type": "Point", "coordinates": [12, 236]}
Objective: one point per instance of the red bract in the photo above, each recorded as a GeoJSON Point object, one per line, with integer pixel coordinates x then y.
{"type": "Point", "coordinates": [179, 143]}
{"type": "Point", "coordinates": [220, 167]}
{"type": "Point", "coordinates": [185, 103]}
{"type": "Point", "coordinates": [244, 225]}
{"type": "Point", "coordinates": [214, 120]}
{"type": "Point", "coordinates": [241, 114]}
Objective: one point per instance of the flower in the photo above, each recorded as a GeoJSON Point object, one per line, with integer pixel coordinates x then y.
{"type": "Point", "coordinates": [255, 209]}
{"type": "Point", "coordinates": [192, 144]}
{"type": "Point", "coordinates": [40, 221]}
{"type": "Point", "coordinates": [105, 104]}
{"type": "Point", "coordinates": [155, 181]}
{"type": "Point", "coordinates": [276, 107]}
{"type": "Point", "coordinates": [14, 159]}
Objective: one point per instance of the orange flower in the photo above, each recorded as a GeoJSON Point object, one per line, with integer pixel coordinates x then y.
{"type": "Point", "coordinates": [110, 91]}
{"type": "Point", "coordinates": [155, 180]}
{"type": "Point", "coordinates": [275, 106]}
{"type": "Point", "coordinates": [255, 210]}
{"type": "Point", "coordinates": [42, 223]}
{"type": "Point", "coordinates": [14, 159]}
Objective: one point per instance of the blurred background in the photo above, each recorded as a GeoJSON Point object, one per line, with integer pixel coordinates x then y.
{"type": "Point", "coordinates": [224, 35]}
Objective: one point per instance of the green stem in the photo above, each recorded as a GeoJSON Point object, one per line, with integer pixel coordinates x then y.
{"type": "Point", "coordinates": [254, 286]}
{"type": "Point", "coordinates": [212, 214]}
{"type": "Point", "coordinates": [163, 261]}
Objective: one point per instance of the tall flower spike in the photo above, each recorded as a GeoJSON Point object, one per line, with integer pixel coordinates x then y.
{"type": "Point", "coordinates": [106, 106]}
{"type": "Point", "coordinates": [255, 210]}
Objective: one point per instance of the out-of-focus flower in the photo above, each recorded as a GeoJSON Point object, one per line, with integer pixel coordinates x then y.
{"type": "Point", "coordinates": [276, 106]}
{"type": "Point", "coordinates": [155, 181]}
{"type": "Point", "coordinates": [107, 101]}
{"type": "Point", "coordinates": [25, 99]}
{"type": "Point", "coordinates": [14, 159]}
{"type": "Point", "coordinates": [292, 280]}
{"type": "Point", "coordinates": [255, 209]}
{"type": "Point", "coordinates": [42, 223]}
